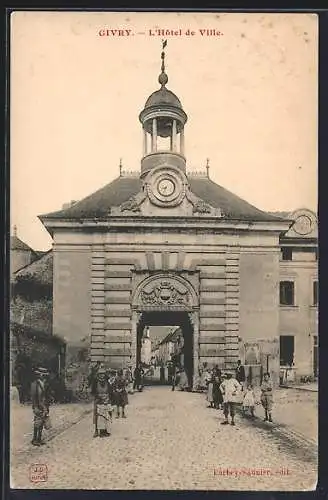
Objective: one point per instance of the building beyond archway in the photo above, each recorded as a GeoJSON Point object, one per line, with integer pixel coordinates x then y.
{"type": "Point", "coordinates": [167, 299]}
{"type": "Point", "coordinates": [165, 243]}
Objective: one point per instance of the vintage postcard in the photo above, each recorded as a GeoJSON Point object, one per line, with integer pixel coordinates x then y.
{"type": "Point", "coordinates": [164, 251]}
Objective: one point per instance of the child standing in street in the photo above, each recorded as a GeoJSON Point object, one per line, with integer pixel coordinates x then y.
{"type": "Point", "coordinates": [249, 400]}
{"type": "Point", "coordinates": [267, 397]}
{"type": "Point", "coordinates": [120, 394]}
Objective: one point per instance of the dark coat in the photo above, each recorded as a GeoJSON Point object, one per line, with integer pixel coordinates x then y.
{"type": "Point", "coordinates": [39, 396]}
{"type": "Point", "coordinates": [240, 374]}
{"type": "Point", "coordinates": [120, 393]}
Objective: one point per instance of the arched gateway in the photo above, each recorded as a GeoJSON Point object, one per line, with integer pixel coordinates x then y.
{"type": "Point", "coordinates": [166, 246]}
{"type": "Point", "coordinates": [166, 299]}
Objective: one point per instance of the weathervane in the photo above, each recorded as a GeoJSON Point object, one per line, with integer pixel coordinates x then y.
{"type": "Point", "coordinates": [163, 79]}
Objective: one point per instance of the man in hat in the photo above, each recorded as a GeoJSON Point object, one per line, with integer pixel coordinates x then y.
{"type": "Point", "coordinates": [40, 404]}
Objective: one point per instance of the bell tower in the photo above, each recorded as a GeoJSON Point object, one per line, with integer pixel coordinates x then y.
{"type": "Point", "coordinates": [163, 121]}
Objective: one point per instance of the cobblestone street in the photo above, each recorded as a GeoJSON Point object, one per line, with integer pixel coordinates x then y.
{"type": "Point", "coordinates": [170, 440]}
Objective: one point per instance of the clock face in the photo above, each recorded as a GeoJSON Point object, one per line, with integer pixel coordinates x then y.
{"type": "Point", "coordinates": [303, 225]}
{"type": "Point", "coordinates": [166, 187]}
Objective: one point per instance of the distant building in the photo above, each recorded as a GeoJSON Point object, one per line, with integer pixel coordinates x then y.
{"type": "Point", "coordinates": [146, 347]}
{"type": "Point", "coordinates": [169, 346]}
{"type": "Point", "coordinates": [21, 254]}
{"type": "Point", "coordinates": [31, 309]}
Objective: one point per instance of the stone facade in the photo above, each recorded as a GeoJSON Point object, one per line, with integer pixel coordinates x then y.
{"type": "Point", "coordinates": [165, 247]}
{"type": "Point", "coordinates": [223, 283]}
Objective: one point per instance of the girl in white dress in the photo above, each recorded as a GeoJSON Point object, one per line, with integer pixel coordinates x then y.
{"type": "Point", "coordinates": [249, 400]}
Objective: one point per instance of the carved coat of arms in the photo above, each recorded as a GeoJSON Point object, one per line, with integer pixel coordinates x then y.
{"type": "Point", "coordinates": [164, 294]}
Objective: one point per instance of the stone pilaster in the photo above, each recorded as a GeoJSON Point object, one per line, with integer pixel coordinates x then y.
{"type": "Point", "coordinates": [194, 319]}
{"type": "Point", "coordinates": [232, 308]}
{"type": "Point", "coordinates": [97, 303]}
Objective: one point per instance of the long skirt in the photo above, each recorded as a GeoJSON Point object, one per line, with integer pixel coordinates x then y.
{"type": "Point", "coordinates": [129, 388]}
{"type": "Point", "coordinates": [103, 415]}
{"type": "Point", "coordinates": [217, 395]}
{"type": "Point", "coordinates": [121, 398]}
{"type": "Point", "coordinates": [183, 381]}
{"type": "Point", "coordinates": [209, 397]}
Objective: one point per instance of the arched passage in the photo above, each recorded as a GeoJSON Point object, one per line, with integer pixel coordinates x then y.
{"type": "Point", "coordinates": [166, 299]}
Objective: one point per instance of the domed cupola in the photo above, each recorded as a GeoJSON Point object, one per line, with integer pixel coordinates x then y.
{"type": "Point", "coordinates": [163, 121]}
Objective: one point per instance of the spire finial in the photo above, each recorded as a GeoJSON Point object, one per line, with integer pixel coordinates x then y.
{"type": "Point", "coordinates": [163, 78]}
{"type": "Point", "coordinates": [120, 167]}
{"type": "Point", "coordinates": [15, 230]}
{"type": "Point", "coordinates": [207, 166]}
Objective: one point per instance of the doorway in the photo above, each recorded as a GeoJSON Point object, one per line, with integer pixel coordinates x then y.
{"type": "Point", "coordinates": [180, 336]}
{"type": "Point", "coordinates": [287, 350]}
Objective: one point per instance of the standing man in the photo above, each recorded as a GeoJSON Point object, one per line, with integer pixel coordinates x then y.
{"type": "Point", "coordinates": [40, 404]}
{"type": "Point", "coordinates": [240, 374]}
{"type": "Point", "coordinates": [229, 388]}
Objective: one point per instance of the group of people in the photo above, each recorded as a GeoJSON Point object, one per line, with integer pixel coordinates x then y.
{"type": "Point", "coordinates": [109, 389]}
{"type": "Point", "coordinates": [226, 390]}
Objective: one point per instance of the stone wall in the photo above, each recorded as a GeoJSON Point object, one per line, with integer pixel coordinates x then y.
{"type": "Point", "coordinates": [235, 278]}
{"type": "Point", "coordinates": [301, 319]}
{"type": "Point", "coordinates": [36, 314]}
{"type": "Point", "coordinates": [72, 293]}
{"type": "Point", "coordinates": [259, 306]}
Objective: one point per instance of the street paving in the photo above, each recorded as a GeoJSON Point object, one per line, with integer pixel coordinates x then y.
{"type": "Point", "coordinates": [170, 441]}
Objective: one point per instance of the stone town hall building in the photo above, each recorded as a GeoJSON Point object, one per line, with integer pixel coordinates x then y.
{"type": "Point", "coordinates": [166, 247]}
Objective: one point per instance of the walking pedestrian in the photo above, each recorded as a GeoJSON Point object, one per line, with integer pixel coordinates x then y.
{"type": "Point", "coordinates": [40, 404]}
{"type": "Point", "coordinates": [103, 404]}
{"type": "Point", "coordinates": [120, 394]}
{"type": "Point", "coordinates": [267, 397]}
{"type": "Point", "coordinates": [229, 388]}
{"type": "Point", "coordinates": [249, 400]}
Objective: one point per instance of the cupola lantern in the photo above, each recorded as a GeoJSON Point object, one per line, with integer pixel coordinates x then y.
{"type": "Point", "coordinates": [163, 121]}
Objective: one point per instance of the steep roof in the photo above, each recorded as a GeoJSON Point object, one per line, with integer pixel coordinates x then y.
{"type": "Point", "coordinates": [41, 270]}
{"type": "Point", "coordinates": [171, 336]}
{"type": "Point", "coordinates": [232, 206]}
{"type": "Point", "coordinates": [283, 215]}
{"type": "Point", "coordinates": [121, 189]}
{"type": "Point", "coordinates": [17, 244]}
{"type": "Point", "coordinates": [98, 204]}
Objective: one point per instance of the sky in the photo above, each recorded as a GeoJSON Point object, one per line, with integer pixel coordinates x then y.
{"type": "Point", "coordinates": [250, 93]}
